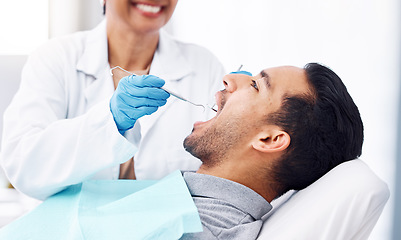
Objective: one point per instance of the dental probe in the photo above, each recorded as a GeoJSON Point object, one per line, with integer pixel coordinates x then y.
{"type": "Point", "coordinates": [169, 91]}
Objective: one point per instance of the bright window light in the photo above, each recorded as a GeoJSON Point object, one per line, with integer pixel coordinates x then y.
{"type": "Point", "coordinates": [23, 26]}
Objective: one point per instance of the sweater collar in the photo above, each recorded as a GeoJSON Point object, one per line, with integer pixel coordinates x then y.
{"type": "Point", "coordinates": [231, 192]}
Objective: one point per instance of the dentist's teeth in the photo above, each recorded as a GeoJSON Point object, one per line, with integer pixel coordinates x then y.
{"type": "Point", "coordinates": [148, 8]}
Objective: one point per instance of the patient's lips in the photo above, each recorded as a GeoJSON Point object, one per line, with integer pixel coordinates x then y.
{"type": "Point", "coordinates": [220, 100]}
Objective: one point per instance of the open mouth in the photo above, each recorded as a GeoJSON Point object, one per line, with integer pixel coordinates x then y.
{"type": "Point", "coordinates": [216, 108]}
{"type": "Point", "coordinates": [213, 107]}
{"type": "Point", "coordinates": [148, 8]}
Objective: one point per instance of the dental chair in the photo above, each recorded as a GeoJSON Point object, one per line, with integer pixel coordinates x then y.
{"type": "Point", "coordinates": [344, 204]}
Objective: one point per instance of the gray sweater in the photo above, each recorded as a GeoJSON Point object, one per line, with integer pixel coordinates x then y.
{"type": "Point", "coordinates": [228, 210]}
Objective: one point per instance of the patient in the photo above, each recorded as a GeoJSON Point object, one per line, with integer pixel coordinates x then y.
{"type": "Point", "coordinates": [282, 129]}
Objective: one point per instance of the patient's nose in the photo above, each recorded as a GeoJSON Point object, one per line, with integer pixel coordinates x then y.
{"type": "Point", "coordinates": [229, 83]}
{"type": "Point", "coordinates": [233, 82]}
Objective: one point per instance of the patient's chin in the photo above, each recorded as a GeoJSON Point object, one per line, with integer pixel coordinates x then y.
{"type": "Point", "coordinates": [196, 147]}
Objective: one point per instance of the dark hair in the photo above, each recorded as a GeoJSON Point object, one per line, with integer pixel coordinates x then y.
{"type": "Point", "coordinates": [325, 129]}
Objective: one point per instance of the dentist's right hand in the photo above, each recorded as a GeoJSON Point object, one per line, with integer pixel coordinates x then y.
{"type": "Point", "coordinates": [135, 97]}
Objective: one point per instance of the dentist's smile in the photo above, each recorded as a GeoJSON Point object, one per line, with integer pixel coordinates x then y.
{"type": "Point", "coordinates": [149, 10]}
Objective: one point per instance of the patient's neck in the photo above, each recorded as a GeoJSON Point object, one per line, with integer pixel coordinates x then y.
{"type": "Point", "coordinates": [255, 179]}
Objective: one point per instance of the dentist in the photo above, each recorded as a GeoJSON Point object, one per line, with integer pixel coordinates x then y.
{"type": "Point", "coordinates": [71, 120]}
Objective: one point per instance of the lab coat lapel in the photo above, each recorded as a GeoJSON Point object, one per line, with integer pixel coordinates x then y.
{"type": "Point", "coordinates": [94, 64]}
{"type": "Point", "coordinates": [170, 65]}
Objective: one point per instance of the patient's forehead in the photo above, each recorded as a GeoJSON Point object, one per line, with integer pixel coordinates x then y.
{"type": "Point", "coordinates": [287, 80]}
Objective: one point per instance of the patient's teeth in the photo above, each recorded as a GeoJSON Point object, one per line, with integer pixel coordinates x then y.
{"type": "Point", "coordinates": [148, 8]}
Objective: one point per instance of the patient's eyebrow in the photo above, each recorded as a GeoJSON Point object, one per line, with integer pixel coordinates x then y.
{"type": "Point", "coordinates": [266, 78]}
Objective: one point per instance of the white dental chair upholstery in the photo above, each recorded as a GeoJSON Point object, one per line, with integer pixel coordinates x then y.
{"type": "Point", "coordinates": [344, 204]}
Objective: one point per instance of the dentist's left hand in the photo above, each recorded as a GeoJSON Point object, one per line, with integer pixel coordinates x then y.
{"type": "Point", "coordinates": [135, 97]}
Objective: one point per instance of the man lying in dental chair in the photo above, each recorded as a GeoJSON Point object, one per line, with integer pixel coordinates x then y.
{"type": "Point", "coordinates": [281, 129]}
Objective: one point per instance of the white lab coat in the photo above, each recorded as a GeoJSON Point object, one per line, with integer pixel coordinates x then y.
{"type": "Point", "coordinates": [59, 131]}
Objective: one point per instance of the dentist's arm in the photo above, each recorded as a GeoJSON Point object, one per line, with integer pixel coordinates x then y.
{"type": "Point", "coordinates": [43, 152]}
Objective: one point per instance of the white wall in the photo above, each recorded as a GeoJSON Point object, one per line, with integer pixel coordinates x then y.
{"type": "Point", "coordinates": [10, 73]}
{"type": "Point", "coordinates": [358, 39]}
{"type": "Point", "coordinates": [23, 25]}
{"type": "Point", "coordinates": [68, 16]}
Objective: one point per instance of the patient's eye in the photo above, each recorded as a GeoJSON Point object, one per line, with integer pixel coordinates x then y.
{"type": "Point", "coordinates": [253, 84]}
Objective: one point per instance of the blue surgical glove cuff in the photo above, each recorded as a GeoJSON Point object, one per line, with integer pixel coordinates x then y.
{"type": "Point", "coordinates": [242, 72]}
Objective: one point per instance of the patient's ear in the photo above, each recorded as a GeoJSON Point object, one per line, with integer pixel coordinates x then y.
{"type": "Point", "coordinates": [272, 140]}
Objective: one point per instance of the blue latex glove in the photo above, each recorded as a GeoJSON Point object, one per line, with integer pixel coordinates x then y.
{"type": "Point", "coordinates": [242, 72]}
{"type": "Point", "coordinates": [135, 97]}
